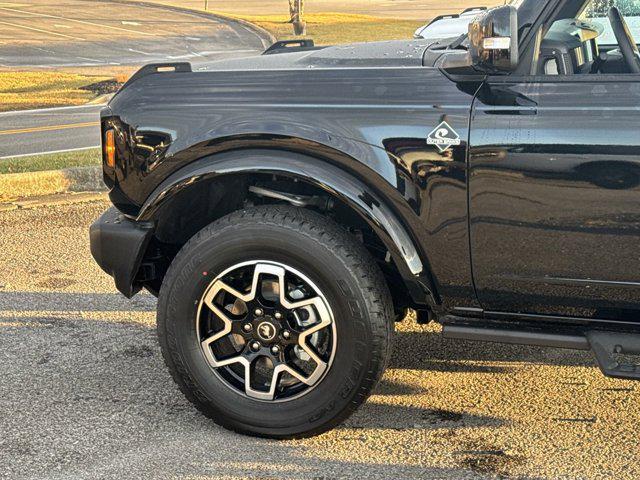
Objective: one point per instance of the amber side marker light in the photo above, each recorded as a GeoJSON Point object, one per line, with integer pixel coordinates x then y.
{"type": "Point", "coordinates": [110, 148]}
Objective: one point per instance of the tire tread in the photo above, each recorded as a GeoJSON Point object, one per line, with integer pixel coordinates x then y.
{"type": "Point", "coordinates": [326, 234]}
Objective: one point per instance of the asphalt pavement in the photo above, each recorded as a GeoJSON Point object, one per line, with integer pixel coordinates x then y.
{"type": "Point", "coordinates": [84, 392]}
{"type": "Point", "coordinates": [49, 130]}
{"type": "Point", "coordinates": [41, 34]}
{"type": "Point", "coordinates": [75, 33]}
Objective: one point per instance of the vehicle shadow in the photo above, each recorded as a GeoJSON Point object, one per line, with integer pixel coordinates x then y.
{"type": "Point", "coordinates": [415, 347]}
{"type": "Point", "coordinates": [424, 349]}
{"type": "Point", "coordinates": [67, 301]}
{"type": "Point", "coordinates": [375, 415]}
{"type": "Point", "coordinates": [105, 382]}
{"type": "Point", "coordinates": [92, 370]}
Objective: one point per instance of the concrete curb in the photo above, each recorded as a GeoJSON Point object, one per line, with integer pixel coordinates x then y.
{"type": "Point", "coordinates": [53, 200]}
{"type": "Point", "coordinates": [266, 37]}
{"type": "Point", "coordinates": [77, 179]}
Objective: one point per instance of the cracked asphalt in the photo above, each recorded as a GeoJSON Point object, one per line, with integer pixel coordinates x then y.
{"type": "Point", "coordinates": [84, 392]}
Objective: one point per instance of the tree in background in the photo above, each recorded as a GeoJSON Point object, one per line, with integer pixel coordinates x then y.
{"type": "Point", "coordinates": [296, 13]}
{"type": "Point", "coordinates": [629, 7]}
{"type": "Point", "coordinates": [296, 9]}
{"type": "Point", "coordinates": [600, 8]}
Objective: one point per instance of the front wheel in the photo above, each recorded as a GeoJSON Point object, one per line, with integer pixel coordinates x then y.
{"type": "Point", "coordinates": [275, 322]}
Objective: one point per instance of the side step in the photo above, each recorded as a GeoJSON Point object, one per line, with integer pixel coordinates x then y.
{"type": "Point", "coordinates": [613, 351]}
{"type": "Point", "coordinates": [617, 353]}
{"type": "Point", "coordinates": [518, 337]}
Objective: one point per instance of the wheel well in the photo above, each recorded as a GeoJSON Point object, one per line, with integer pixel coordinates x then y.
{"type": "Point", "coordinates": [202, 203]}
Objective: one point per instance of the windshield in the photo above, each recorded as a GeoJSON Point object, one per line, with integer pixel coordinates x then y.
{"type": "Point", "coordinates": [515, 3]}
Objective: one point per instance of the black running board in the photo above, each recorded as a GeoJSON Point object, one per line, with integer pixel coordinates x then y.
{"type": "Point", "coordinates": [518, 337]}
{"type": "Point", "coordinates": [612, 349]}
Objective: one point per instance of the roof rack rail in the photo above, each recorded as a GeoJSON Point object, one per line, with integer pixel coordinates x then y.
{"type": "Point", "coordinates": [473, 9]}
{"type": "Point", "coordinates": [442, 17]}
{"type": "Point", "coordinates": [456, 15]}
{"type": "Point", "coordinates": [152, 68]}
{"type": "Point", "coordinates": [289, 46]}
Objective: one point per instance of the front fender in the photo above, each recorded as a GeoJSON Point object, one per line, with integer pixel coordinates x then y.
{"type": "Point", "coordinates": [337, 182]}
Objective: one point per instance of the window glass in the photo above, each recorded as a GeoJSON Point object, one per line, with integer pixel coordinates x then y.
{"type": "Point", "coordinates": [597, 10]}
{"type": "Point", "coordinates": [515, 3]}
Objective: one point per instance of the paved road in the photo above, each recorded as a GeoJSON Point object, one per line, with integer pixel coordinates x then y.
{"type": "Point", "coordinates": [84, 393]}
{"type": "Point", "coordinates": [49, 130]}
{"type": "Point", "coordinates": [65, 33]}
{"type": "Point", "coordinates": [43, 33]}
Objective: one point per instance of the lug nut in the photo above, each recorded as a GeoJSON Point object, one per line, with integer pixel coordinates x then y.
{"type": "Point", "coordinates": [247, 327]}
{"type": "Point", "coordinates": [255, 346]}
{"type": "Point", "coordinates": [275, 350]}
{"type": "Point", "coordinates": [278, 315]}
{"type": "Point", "coordinates": [258, 312]}
{"type": "Point", "coordinates": [286, 334]}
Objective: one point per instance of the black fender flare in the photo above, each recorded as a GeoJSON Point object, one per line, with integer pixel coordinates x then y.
{"type": "Point", "coordinates": [336, 181]}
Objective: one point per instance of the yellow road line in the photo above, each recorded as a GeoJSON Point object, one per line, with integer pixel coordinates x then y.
{"type": "Point", "coordinates": [42, 31]}
{"type": "Point", "coordinates": [49, 128]}
{"type": "Point", "coordinates": [45, 15]}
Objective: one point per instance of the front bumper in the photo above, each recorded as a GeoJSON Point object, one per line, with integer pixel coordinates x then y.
{"type": "Point", "coordinates": [118, 245]}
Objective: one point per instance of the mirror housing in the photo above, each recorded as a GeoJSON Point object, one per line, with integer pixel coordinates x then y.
{"type": "Point", "coordinates": [493, 40]}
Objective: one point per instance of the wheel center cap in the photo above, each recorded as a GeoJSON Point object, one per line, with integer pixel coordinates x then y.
{"type": "Point", "coordinates": [267, 331]}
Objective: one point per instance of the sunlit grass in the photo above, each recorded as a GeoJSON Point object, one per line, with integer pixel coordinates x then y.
{"type": "Point", "coordinates": [24, 90]}
{"type": "Point", "coordinates": [336, 28]}
{"type": "Point", "coordinates": [39, 89]}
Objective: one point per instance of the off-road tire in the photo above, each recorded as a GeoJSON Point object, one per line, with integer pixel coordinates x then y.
{"type": "Point", "coordinates": [354, 287]}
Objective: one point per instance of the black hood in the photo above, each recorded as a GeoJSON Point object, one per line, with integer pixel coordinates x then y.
{"type": "Point", "coordinates": [396, 53]}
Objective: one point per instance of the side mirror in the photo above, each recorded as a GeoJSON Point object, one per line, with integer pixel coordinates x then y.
{"type": "Point", "coordinates": [493, 40]}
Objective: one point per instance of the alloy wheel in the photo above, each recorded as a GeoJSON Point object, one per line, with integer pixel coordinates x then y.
{"type": "Point", "coordinates": [266, 330]}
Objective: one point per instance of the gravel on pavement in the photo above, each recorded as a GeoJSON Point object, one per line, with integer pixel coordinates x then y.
{"type": "Point", "coordinates": [84, 392]}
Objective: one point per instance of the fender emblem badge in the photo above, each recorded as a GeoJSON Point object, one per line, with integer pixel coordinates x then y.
{"type": "Point", "coordinates": [443, 137]}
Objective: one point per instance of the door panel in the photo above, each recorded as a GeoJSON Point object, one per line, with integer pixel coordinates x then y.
{"type": "Point", "coordinates": [555, 197]}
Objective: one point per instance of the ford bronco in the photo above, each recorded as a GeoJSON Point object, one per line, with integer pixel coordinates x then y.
{"type": "Point", "coordinates": [288, 208]}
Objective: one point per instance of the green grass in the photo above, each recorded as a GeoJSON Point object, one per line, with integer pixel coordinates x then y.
{"type": "Point", "coordinates": [55, 161]}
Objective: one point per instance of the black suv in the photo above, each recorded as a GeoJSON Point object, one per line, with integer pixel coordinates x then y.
{"type": "Point", "coordinates": [287, 209]}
